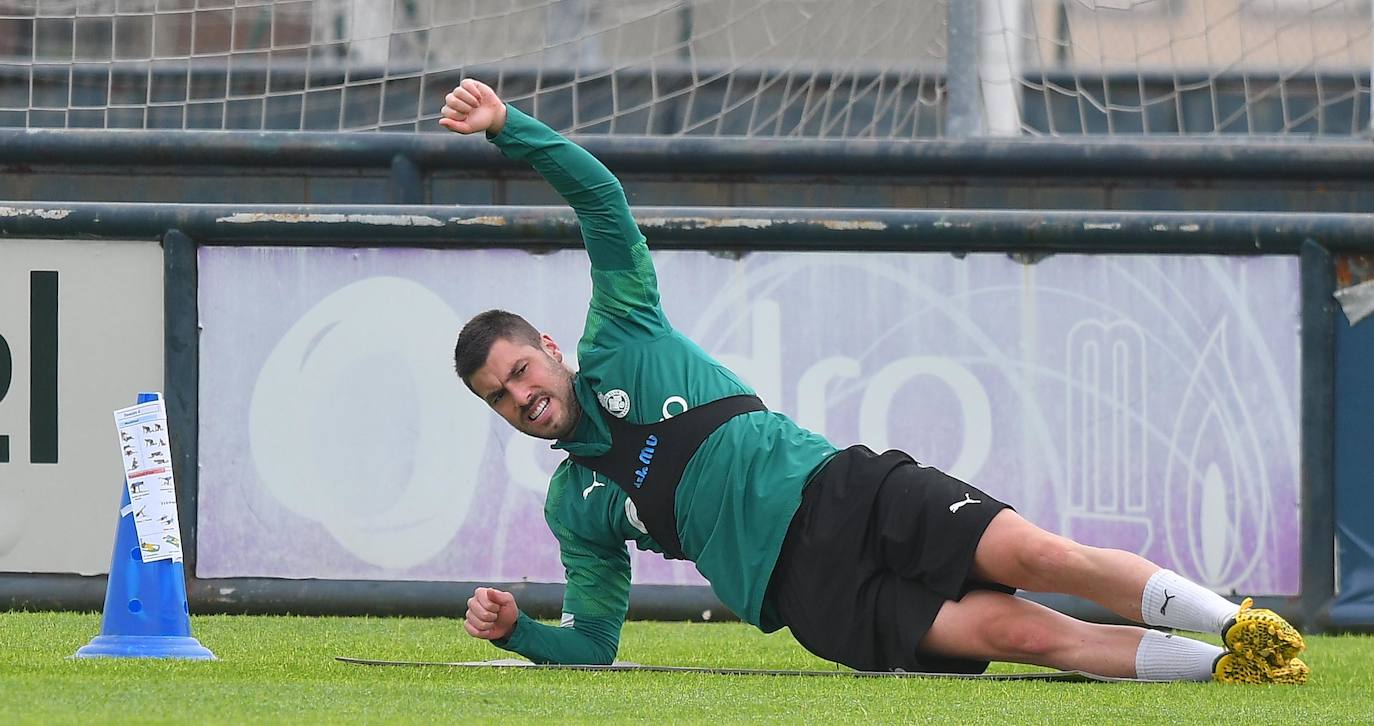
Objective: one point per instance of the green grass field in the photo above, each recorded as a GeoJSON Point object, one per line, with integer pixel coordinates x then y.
{"type": "Point", "coordinates": [281, 669]}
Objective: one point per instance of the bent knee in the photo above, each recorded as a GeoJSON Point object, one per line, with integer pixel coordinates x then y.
{"type": "Point", "coordinates": [1047, 558]}
{"type": "Point", "coordinates": [1017, 640]}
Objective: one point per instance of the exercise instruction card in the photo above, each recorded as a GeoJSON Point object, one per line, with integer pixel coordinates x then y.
{"type": "Point", "coordinates": [143, 442]}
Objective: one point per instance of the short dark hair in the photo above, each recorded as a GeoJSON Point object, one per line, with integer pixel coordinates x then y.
{"type": "Point", "coordinates": [475, 340]}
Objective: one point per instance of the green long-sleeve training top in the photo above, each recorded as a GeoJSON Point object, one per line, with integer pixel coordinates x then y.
{"type": "Point", "coordinates": [739, 491]}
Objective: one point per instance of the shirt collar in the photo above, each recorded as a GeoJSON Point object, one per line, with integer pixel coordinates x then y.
{"type": "Point", "coordinates": [591, 436]}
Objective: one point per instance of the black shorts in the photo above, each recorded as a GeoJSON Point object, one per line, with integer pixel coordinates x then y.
{"type": "Point", "coordinates": [877, 546]}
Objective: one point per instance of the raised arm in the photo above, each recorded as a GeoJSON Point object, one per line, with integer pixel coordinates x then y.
{"type": "Point", "coordinates": [624, 285]}
{"type": "Point", "coordinates": [585, 183]}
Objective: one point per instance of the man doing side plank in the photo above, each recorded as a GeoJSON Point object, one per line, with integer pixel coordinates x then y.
{"type": "Point", "coordinates": [872, 560]}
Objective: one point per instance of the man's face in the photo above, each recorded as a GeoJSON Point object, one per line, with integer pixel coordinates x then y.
{"type": "Point", "coordinates": [530, 387]}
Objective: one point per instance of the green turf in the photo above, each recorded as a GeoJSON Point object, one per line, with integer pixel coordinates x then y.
{"type": "Point", "coordinates": [281, 669]}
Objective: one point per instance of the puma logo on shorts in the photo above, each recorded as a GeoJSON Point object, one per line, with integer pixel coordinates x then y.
{"type": "Point", "coordinates": [968, 499]}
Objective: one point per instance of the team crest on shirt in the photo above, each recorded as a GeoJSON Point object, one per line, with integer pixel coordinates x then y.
{"type": "Point", "coordinates": [616, 402]}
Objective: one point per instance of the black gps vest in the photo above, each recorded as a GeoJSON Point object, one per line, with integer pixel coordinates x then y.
{"type": "Point", "coordinates": [647, 460]}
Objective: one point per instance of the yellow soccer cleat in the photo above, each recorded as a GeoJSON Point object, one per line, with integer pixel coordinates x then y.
{"type": "Point", "coordinates": [1262, 635]}
{"type": "Point", "coordinates": [1233, 668]}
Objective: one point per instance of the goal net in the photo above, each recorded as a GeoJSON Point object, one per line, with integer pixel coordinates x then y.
{"type": "Point", "coordinates": [891, 69]}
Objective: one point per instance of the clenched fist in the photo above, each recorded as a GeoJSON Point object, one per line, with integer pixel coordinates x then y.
{"type": "Point", "coordinates": [491, 613]}
{"type": "Point", "coordinates": [473, 107]}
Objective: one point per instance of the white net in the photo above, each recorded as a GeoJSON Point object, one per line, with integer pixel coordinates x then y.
{"type": "Point", "coordinates": [759, 68]}
{"type": "Point", "coordinates": [1178, 66]}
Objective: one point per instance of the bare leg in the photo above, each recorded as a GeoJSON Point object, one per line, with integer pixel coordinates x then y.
{"type": "Point", "coordinates": [987, 625]}
{"type": "Point", "coordinates": [1019, 554]}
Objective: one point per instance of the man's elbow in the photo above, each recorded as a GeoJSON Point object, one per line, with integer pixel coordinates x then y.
{"type": "Point", "coordinates": [603, 654]}
{"type": "Point", "coordinates": [594, 656]}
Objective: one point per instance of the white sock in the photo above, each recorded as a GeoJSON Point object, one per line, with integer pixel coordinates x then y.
{"type": "Point", "coordinates": [1171, 601]}
{"type": "Point", "coordinates": [1174, 658]}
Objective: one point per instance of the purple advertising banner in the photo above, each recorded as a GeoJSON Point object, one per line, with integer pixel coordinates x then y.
{"type": "Point", "coordinates": [1148, 403]}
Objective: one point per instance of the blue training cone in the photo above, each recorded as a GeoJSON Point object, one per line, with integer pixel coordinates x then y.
{"type": "Point", "coordinates": [146, 615]}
